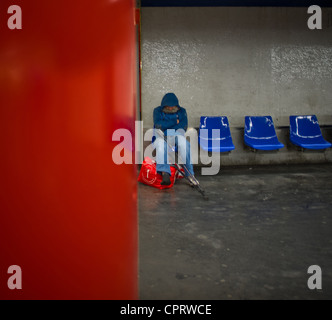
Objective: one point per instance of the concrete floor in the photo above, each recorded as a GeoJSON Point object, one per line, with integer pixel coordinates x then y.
{"type": "Point", "coordinates": [255, 237]}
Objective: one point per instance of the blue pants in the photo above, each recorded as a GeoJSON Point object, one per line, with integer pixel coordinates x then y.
{"type": "Point", "coordinates": [162, 149]}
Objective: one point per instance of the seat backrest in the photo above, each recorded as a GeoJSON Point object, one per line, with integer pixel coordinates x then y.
{"type": "Point", "coordinates": [305, 126]}
{"type": "Point", "coordinates": [217, 122]}
{"type": "Point", "coordinates": [259, 126]}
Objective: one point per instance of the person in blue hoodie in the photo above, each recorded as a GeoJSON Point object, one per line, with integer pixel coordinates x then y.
{"type": "Point", "coordinates": [172, 120]}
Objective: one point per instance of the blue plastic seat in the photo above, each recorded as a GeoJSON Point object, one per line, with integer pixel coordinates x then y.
{"type": "Point", "coordinates": [306, 133]}
{"type": "Point", "coordinates": [222, 137]}
{"type": "Point", "coordinates": [260, 134]}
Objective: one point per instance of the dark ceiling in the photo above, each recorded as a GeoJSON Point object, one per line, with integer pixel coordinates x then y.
{"type": "Point", "coordinates": [235, 3]}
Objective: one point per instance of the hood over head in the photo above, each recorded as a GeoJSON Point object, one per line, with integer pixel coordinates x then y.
{"type": "Point", "coordinates": [170, 100]}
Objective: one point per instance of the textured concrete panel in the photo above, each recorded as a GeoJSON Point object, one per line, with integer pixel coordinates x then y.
{"type": "Point", "coordinates": [236, 61]}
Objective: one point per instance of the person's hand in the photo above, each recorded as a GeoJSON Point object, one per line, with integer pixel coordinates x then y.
{"type": "Point", "coordinates": [177, 121]}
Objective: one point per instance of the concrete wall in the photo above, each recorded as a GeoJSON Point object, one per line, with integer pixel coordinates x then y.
{"type": "Point", "coordinates": [236, 62]}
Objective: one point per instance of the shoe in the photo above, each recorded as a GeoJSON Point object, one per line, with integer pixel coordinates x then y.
{"type": "Point", "coordinates": [193, 182]}
{"type": "Point", "coordinates": [166, 179]}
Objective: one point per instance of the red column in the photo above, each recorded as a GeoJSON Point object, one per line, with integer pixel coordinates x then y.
{"type": "Point", "coordinates": [68, 214]}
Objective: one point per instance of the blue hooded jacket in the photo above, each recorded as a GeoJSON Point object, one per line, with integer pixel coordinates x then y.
{"type": "Point", "coordinates": [166, 121]}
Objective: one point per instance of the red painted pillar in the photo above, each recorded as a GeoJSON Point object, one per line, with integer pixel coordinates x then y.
{"type": "Point", "coordinates": [68, 214]}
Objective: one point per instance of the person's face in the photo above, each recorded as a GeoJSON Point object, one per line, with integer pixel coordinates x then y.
{"type": "Point", "coordinates": [170, 108]}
